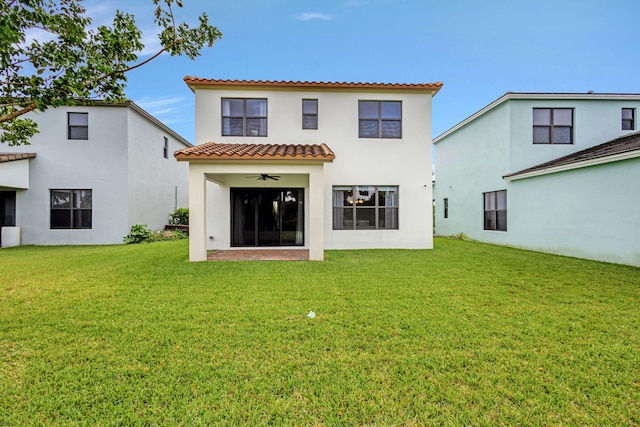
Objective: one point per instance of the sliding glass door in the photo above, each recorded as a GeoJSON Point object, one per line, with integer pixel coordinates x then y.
{"type": "Point", "coordinates": [267, 217]}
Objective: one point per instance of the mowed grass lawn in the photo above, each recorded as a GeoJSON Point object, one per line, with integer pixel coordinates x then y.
{"type": "Point", "coordinates": [466, 334]}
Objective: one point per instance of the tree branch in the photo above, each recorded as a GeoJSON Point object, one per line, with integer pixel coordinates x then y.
{"type": "Point", "coordinates": [18, 113]}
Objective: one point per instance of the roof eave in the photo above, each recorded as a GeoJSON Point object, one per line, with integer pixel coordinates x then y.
{"type": "Point", "coordinates": [194, 82]}
{"type": "Point", "coordinates": [570, 166]}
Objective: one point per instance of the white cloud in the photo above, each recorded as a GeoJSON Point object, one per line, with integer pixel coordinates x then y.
{"type": "Point", "coordinates": [307, 16]}
{"type": "Point", "coordinates": [160, 106]}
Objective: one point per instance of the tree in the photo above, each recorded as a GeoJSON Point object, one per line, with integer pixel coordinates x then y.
{"type": "Point", "coordinates": [75, 63]}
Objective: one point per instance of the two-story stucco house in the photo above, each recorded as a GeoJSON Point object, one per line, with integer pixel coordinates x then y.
{"type": "Point", "coordinates": [90, 174]}
{"type": "Point", "coordinates": [309, 165]}
{"type": "Point", "coordinates": [554, 172]}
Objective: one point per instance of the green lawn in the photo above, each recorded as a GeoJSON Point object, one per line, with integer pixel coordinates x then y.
{"type": "Point", "coordinates": [466, 334]}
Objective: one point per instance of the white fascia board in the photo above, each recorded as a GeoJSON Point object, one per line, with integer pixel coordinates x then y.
{"type": "Point", "coordinates": [578, 165]}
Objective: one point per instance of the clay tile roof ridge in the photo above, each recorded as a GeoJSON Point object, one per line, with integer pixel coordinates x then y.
{"type": "Point", "coordinates": [310, 83]}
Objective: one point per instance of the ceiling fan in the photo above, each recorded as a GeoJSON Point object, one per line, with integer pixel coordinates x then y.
{"type": "Point", "coordinates": [265, 176]}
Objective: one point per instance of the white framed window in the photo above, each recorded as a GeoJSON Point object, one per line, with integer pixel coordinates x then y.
{"type": "Point", "coordinates": [365, 207]}
{"type": "Point", "coordinates": [165, 149]}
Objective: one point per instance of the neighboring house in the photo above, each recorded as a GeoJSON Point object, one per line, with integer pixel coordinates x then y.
{"type": "Point", "coordinates": [310, 165]}
{"type": "Point", "coordinates": [90, 174]}
{"type": "Point", "coordinates": [552, 172]}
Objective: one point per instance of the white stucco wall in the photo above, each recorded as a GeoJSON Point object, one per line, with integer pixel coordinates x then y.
{"type": "Point", "coordinates": [359, 161]}
{"type": "Point", "coordinates": [98, 163]}
{"type": "Point", "coordinates": [121, 162]}
{"type": "Point", "coordinates": [157, 185]}
{"type": "Point", "coordinates": [14, 174]}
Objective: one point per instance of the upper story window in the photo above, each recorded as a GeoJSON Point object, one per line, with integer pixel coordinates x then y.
{"type": "Point", "coordinates": [165, 150]}
{"type": "Point", "coordinates": [309, 114]}
{"type": "Point", "coordinates": [77, 125]}
{"type": "Point", "coordinates": [244, 117]}
{"type": "Point", "coordinates": [495, 210]}
{"type": "Point", "coordinates": [628, 118]}
{"type": "Point", "coordinates": [446, 207]}
{"type": "Point", "coordinates": [380, 119]}
{"type": "Point", "coordinates": [71, 208]}
{"type": "Point", "coordinates": [365, 207]}
{"type": "Point", "coordinates": [553, 125]}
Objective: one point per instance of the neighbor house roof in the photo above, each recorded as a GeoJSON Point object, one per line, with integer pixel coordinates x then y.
{"type": "Point", "coordinates": [10, 157]}
{"type": "Point", "coordinates": [535, 96]}
{"type": "Point", "coordinates": [194, 82]}
{"type": "Point", "coordinates": [622, 148]}
{"type": "Point", "coordinates": [260, 152]}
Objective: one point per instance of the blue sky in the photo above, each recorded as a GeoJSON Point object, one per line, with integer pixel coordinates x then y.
{"type": "Point", "coordinates": [478, 49]}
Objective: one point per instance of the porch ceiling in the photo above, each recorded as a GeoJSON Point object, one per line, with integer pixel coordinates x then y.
{"type": "Point", "coordinates": [213, 151]}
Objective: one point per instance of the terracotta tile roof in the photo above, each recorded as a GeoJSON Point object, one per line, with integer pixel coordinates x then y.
{"type": "Point", "coordinates": [10, 157]}
{"type": "Point", "coordinates": [215, 151]}
{"type": "Point", "coordinates": [267, 84]}
{"type": "Point", "coordinates": [617, 147]}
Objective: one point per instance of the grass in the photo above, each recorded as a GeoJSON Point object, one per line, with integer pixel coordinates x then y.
{"type": "Point", "coordinates": [466, 334]}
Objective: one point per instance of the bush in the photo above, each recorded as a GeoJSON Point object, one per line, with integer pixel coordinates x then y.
{"type": "Point", "coordinates": [161, 236]}
{"type": "Point", "coordinates": [139, 233]}
{"type": "Point", "coordinates": [179, 217]}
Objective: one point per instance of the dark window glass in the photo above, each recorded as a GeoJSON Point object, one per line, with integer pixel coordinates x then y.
{"type": "Point", "coordinates": [244, 117]}
{"type": "Point", "coordinates": [380, 119]}
{"type": "Point", "coordinates": [365, 208]}
{"type": "Point", "coordinates": [309, 114]}
{"type": "Point", "coordinates": [166, 148]}
{"type": "Point", "coordinates": [71, 208]}
{"type": "Point", "coordinates": [77, 125]}
{"type": "Point", "coordinates": [628, 118]}
{"type": "Point", "coordinates": [553, 126]}
{"type": "Point", "coordinates": [495, 210]}
{"type": "Point", "coordinates": [446, 208]}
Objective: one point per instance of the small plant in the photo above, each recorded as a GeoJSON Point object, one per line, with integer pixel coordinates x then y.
{"type": "Point", "coordinates": [164, 235]}
{"type": "Point", "coordinates": [139, 233]}
{"type": "Point", "coordinates": [179, 216]}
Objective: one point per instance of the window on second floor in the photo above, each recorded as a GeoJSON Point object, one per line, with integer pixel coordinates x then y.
{"type": "Point", "coordinates": [165, 150]}
{"type": "Point", "coordinates": [309, 114]}
{"type": "Point", "coordinates": [77, 125]}
{"type": "Point", "coordinates": [244, 117]}
{"type": "Point", "coordinates": [628, 118]}
{"type": "Point", "coordinates": [553, 125]}
{"type": "Point", "coordinates": [380, 119]}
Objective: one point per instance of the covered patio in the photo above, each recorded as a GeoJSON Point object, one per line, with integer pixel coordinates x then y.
{"type": "Point", "coordinates": [248, 197]}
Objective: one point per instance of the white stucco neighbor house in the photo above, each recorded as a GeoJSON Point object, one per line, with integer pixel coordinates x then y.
{"type": "Point", "coordinates": [89, 175]}
{"type": "Point", "coordinates": [309, 165]}
{"type": "Point", "coordinates": [553, 172]}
